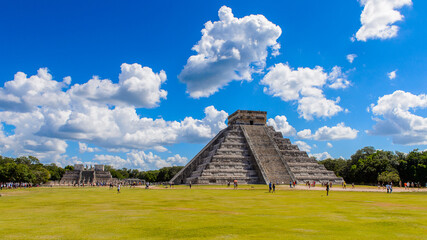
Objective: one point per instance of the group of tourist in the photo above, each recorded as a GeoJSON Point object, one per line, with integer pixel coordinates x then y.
{"type": "Point", "coordinates": [309, 184]}
{"type": "Point", "coordinates": [235, 184]}
{"type": "Point", "coordinates": [97, 184]}
{"type": "Point", "coordinates": [13, 185]}
{"type": "Point", "coordinates": [412, 185]}
{"type": "Point", "coordinates": [344, 185]}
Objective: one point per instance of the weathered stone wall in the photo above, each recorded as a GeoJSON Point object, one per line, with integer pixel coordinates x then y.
{"type": "Point", "coordinates": [248, 117]}
{"type": "Point", "coordinates": [81, 175]}
{"type": "Point", "coordinates": [99, 167]}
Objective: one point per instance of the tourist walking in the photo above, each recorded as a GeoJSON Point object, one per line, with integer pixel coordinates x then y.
{"type": "Point", "coordinates": [327, 189]}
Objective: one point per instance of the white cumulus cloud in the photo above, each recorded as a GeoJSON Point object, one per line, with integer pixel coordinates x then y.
{"type": "Point", "coordinates": [84, 148]}
{"type": "Point", "coordinates": [351, 57]}
{"type": "Point", "coordinates": [392, 75]}
{"type": "Point", "coordinates": [24, 94]}
{"type": "Point", "coordinates": [280, 123]}
{"type": "Point", "coordinates": [338, 79]}
{"type": "Point", "coordinates": [304, 85]}
{"type": "Point", "coordinates": [46, 113]}
{"type": "Point", "coordinates": [140, 160]}
{"type": "Point", "coordinates": [396, 118]}
{"type": "Point", "coordinates": [321, 156]}
{"type": "Point", "coordinates": [230, 49]}
{"type": "Point", "coordinates": [138, 86]}
{"type": "Point", "coordinates": [303, 146]}
{"type": "Point", "coordinates": [378, 18]}
{"type": "Point", "coordinates": [325, 133]}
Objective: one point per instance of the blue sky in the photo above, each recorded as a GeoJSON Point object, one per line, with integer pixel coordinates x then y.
{"type": "Point", "coordinates": [142, 84]}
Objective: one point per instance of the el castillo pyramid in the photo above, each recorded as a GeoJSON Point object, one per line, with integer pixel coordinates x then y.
{"type": "Point", "coordinates": [251, 152]}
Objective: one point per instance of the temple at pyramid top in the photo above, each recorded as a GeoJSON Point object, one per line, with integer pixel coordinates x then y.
{"type": "Point", "coordinates": [250, 152]}
{"type": "Point", "coordinates": [248, 117]}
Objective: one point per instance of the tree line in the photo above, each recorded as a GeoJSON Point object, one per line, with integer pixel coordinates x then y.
{"type": "Point", "coordinates": [366, 166]}
{"type": "Point", "coordinates": [370, 166]}
{"type": "Point", "coordinates": [30, 170]}
{"type": "Point", "coordinates": [162, 175]}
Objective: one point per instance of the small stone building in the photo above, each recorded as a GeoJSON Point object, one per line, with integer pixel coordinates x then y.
{"type": "Point", "coordinates": [251, 152]}
{"type": "Point", "coordinates": [87, 175]}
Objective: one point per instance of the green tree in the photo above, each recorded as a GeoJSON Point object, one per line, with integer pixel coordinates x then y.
{"type": "Point", "coordinates": [413, 167]}
{"type": "Point", "coordinates": [69, 168]}
{"type": "Point", "coordinates": [40, 175]}
{"type": "Point", "coordinates": [386, 177]}
{"type": "Point", "coordinates": [21, 173]}
{"type": "Point", "coordinates": [150, 176]}
{"type": "Point", "coordinates": [56, 172]}
{"type": "Point", "coordinates": [367, 163]}
{"type": "Point", "coordinates": [338, 166]}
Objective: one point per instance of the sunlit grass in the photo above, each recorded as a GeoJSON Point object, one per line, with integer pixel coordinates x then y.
{"type": "Point", "coordinates": [206, 212]}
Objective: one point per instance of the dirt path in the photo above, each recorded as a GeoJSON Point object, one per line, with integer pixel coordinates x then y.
{"type": "Point", "coordinates": [298, 187]}
{"type": "Point", "coordinates": [361, 189]}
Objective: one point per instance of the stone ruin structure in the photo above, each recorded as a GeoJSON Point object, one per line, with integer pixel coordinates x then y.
{"type": "Point", "coordinates": [251, 152]}
{"type": "Point", "coordinates": [87, 175]}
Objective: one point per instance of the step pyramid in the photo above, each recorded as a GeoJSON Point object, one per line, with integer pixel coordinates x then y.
{"type": "Point", "coordinates": [251, 152]}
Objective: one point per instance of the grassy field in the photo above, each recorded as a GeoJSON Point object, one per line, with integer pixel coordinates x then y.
{"type": "Point", "coordinates": [181, 213]}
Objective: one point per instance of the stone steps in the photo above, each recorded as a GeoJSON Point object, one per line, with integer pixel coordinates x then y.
{"type": "Point", "coordinates": [302, 164]}
{"type": "Point", "coordinates": [225, 179]}
{"type": "Point", "coordinates": [237, 145]}
{"type": "Point", "coordinates": [291, 160]}
{"type": "Point", "coordinates": [228, 159]}
{"type": "Point", "coordinates": [229, 174]}
{"type": "Point", "coordinates": [313, 171]}
{"type": "Point", "coordinates": [227, 170]}
{"type": "Point", "coordinates": [293, 153]}
{"type": "Point", "coordinates": [230, 165]}
{"type": "Point", "coordinates": [266, 154]}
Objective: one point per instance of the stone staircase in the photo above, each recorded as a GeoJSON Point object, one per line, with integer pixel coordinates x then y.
{"type": "Point", "coordinates": [87, 177]}
{"type": "Point", "coordinates": [103, 176]}
{"type": "Point", "coordinates": [71, 177]}
{"type": "Point", "coordinates": [226, 159]}
{"type": "Point", "coordinates": [266, 154]}
{"type": "Point", "coordinates": [300, 164]}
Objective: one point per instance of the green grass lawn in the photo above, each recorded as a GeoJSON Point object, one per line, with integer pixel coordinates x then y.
{"type": "Point", "coordinates": [181, 213]}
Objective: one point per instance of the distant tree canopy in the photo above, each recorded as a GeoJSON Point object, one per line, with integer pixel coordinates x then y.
{"type": "Point", "coordinates": [369, 166]}
{"type": "Point", "coordinates": [366, 166]}
{"type": "Point", "coordinates": [24, 169]}
{"type": "Point", "coordinates": [162, 175]}
{"type": "Point", "coordinates": [30, 170]}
